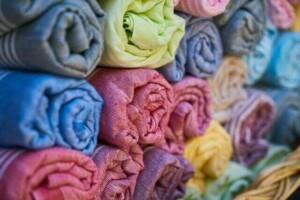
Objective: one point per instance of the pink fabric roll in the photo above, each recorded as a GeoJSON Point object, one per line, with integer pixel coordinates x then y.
{"type": "Point", "coordinates": [191, 113]}
{"type": "Point", "coordinates": [118, 171]}
{"type": "Point", "coordinates": [137, 105]}
{"type": "Point", "coordinates": [205, 8]}
{"type": "Point", "coordinates": [176, 2]}
{"type": "Point", "coordinates": [54, 173]}
{"type": "Point", "coordinates": [294, 1]}
{"type": "Point", "coordinates": [281, 13]}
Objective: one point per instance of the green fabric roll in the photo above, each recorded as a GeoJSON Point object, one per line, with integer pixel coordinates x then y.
{"type": "Point", "coordinates": [140, 33]}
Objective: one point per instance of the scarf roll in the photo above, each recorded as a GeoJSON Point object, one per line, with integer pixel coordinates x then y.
{"type": "Point", "coordinates": [60, 37]}
{"type": "Point", "coordinates": [283, 69]}
{"type": "Point", "coordinates": [281, 13]}
{"type": "Point", "coordinates": [242, 26]}
{"type": "Point", "coordinates": [137, 105]}
{"type": "Point", "coordinates": [199, 53]}
{"type": "Point", "coordinates": [209, 154]}
{"type": "Point", "coordinates": [296, 23]}
{"type": "Point", "coordinates": [205, 8]}
{"type": "Point", "coordinates": [227, 87]}
{"type": "Point", "coordinates": [163, 177]}
{"type": "Point", "coordinates": [251, 120]}
{"type": "Point", "coordinates": [190, 115]}
{"type": "Point", "coordinates": [54, 173]}
{"type": "Point", "coordinates": [43, 110]}
{"type": "Point", "coordinates": [140, 33]}
{"type": "Point", "coordinates": [118, 171]}
{"type": "Point", "coordinates": [258, 60]}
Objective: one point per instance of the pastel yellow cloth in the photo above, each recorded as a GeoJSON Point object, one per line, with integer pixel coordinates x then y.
{"type": "Point", "coordinates": [209, 154]}
{"type": "Point", "coordinates": [296, 24]}
{"type": "Point", "coordinates": [140, 33]}
{"type": "Point", "coordinates": [227, 87]}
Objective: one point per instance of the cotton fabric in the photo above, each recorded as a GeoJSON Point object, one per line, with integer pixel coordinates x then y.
{"type": "Point", "coordinates": [296, 23]}
{"type": "Point", "coordinates": [281, 13]}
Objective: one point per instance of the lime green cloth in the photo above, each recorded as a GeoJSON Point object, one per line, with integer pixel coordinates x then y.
{"type": "Point", "coordinates": [140, 33]}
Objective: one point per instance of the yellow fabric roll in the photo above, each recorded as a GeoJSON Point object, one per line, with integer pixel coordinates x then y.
{"type": "Point", "coordinates": [296, 24]}
{"type": "Point", "coordinates": [209, 154]}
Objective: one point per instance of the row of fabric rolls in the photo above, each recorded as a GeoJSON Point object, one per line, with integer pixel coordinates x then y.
{"type": "Point", "coordinates": [165, 115]}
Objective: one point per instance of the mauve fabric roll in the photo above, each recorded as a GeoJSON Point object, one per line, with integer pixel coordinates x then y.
{"type": "Point", "coordinates": [63, 37]}
{"type": "Point", "coordinates": [163, 177]}
{"type": "Point", "coordinates": [191, 113]}
{"type": "Point", "coordinates": [281, 13]}
{"type": "Point", "coordinates": [242, 25]}
{"type": "Point", "coordinates": [227, 87]}
{"type": "Point", "coordinates": [137, 105]}
{"type": "Point", "coordinates": [283, 69]}
{"type": "Point", "coordinates": [199, 53]}
{"type": "Point", "coordinates": [258, 60]}
{"type": "Point", "coordinates": [251, 120]}
{"type": "Point", "coordinates": [118, 171]}
{"type": "Point", "coordinates": [43, 110]}
{"type": "Point", "coordinates": [54, 173]}
{"type": "Point", "coordinates": [205, 8]}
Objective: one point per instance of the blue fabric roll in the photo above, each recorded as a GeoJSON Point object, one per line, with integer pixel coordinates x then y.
{"type": "Point", "coordinates": [41, 110]}
{"type": "Point", "coordinates": [284, 67]}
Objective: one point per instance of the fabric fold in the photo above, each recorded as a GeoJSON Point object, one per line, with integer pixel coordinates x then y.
{"type": "Point", "coordinates": [296, 23]}
{"type": "Point", "coordinates": [60, 37]}
{"type": "Point", "coordinates": [209, 154]}
{"type": "Point", "coordinates": [42, 110]}
{"type": "Point", "coordinates": [137, 105]}
{"type": "Point", "coordinates": [54, 173]}
{"type": "Point", "coordinates": [163, 177]}
{"type": "Point", "coordinates": [140, 33]}
{"type": "Point", "coordinates": [191, 113]}
{"type": "Point", "coordinates": [199, 53]}
{"type": "Point", "coordinates": [242, 25]}
{"type": "Point", "coordinates": [249, 125]}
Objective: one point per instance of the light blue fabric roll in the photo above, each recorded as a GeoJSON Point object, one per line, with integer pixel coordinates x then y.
{"type": "Point", "coordinates": [258, 60]}
{"type": "Point", "coordinates": [63, 37]}
{"type": "Point", "coordinates": [41, 110]}
{"type": "Point", "coordinates": [284, 67]}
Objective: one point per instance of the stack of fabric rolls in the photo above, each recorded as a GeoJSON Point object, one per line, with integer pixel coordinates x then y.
{"type": "Point", "coordinates": [142, 100]}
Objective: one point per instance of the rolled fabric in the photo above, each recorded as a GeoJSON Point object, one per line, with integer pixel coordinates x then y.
{"type": "Point", "coordinates": [137, 105]}
{"type": "Point", "coordinates": [43, 110]}
{"type": "Point", "coordinates": [235, 180]}
{"type": "Point", "coordinates": [176, 2]}
{"type": "Point", "coordinates": [242, 25]}
{"type": "Point", "coordinates": [258, 60]}
{"type": "Point", "coordinates": [140, 33]}
{"type": "Point", "coordinates": [283, 69]}
{"type": "Point", "coordinates": [205, 8]}
{"type": "Point", "coordinates": [54, 173]}
{"type": "Point", "coordinates": [249, 125]}
{"type": "Point", "coordinates": [209, 154]}
{"type": "Point", "coordinates": [63, 37]}
{"type": "Point", "coordinates": [227, 87]}
{"type": "Point", "coordinates": [281, 13]}
{"type": "Point", "coordinates": [296, 23]}
{"type": "Point", "coordinates": [191, 113]}
{"type": "Point", "coordinates": [118, 171]}
{"type": "Point", "coordinates": [191, 194]}
{"type": "Point", "coordinates": [163, 177]}
{"type": "Point", "coordinates": [199, 53]}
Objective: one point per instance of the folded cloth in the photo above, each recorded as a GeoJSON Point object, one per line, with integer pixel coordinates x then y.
{"type": "Point", "coordinates": [42, 110]}
{"type": "Point", "coordinates": [283, 69]}
{"type": "Point", "coordinates": [118, 171]}
{"type": "Point", "coordinates": [163, 177]}
{"type": "Point", "coordinates": [235, 180]}
{"type": "Point", "coordinates": [251, 120]}
{"type": "Point", "coordinates": [276, 182]}
{"type": "Point", "coordinates": [205, 8]}
{"type": "Point", "coordinates": [227, 87]}
{"type": "Point", "coordinates": [191, 113]}
{"type": "Point", "coordinates": [137, 105]}
{"type": "Point", "coordinates": [242, 25]}
{"type": "Point", "coordinates": [258, 60]}
{"type": "Point", "coordinates": [281, 13]}
{"type": "Point", "coordinates": [63, 37]}
{"type": "Point", "coordinates": [199, 53]}
{"type": "Point", "coordinates": [54, 173]}
{"type": "Point", "coordinates": [176, 2]}
{"type": "Point", "coordinates": [209, 154]}
{"type": "Point", "coordinates": [296, 23]}
{"type": "Point", "coordinates": [140, 33]}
